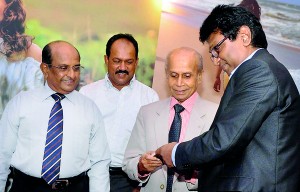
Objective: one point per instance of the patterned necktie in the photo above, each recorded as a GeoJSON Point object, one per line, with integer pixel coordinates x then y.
{"type": "Point", "coordinates": [174, 135]}
{"type": "Point", "coordinates": [52, 153]}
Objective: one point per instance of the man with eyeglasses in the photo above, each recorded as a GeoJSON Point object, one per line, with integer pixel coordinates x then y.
{"type": "Point", "coordinates": [119, 97]}
{"type": "Point", "coordinates": [54, 137]}
{"type": "Point", "coordinates": [254, 141]}
{"type": "Point", "coordinates": [253, 7]}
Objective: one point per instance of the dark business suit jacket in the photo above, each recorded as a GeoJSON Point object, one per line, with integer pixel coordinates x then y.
{"type": "Point", "coordinates": [254, 141]}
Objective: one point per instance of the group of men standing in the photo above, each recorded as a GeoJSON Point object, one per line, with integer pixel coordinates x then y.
{"type": "Point", "coordinates": [56, 139]}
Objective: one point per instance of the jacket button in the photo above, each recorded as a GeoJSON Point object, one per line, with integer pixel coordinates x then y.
{"type": "Point", "coordinates": [162, 186]}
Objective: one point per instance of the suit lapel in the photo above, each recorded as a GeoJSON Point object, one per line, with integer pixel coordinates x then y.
{"type": "Point", "coordinates": [195, 125]}
{"type": "Point", "coordinates": [225, 98]}
{"type": "Point", "coordinates": [161, 127]}
{"type": "Point", "coordinates": [197, 120]}
{"type": "Point", "coordinates": [262, 53]}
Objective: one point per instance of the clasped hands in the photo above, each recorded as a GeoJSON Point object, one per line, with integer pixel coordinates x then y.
{"type": "Point", "coordinates": [151, 160]}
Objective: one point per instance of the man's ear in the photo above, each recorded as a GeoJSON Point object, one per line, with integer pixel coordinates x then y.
{"type": "Point", "coordinates": [136, 62]}
{"type": "Point", "coordinates": [199, 77]}
{"type": "Point", "coordinates": [45, 70]}
{"type": "Point", "coordinates": [106, 61]}
{"type": "Point", "coordinates": [246, 35]}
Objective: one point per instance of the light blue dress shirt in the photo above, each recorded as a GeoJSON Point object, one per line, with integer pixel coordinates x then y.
{"type": "Point", "coordinates": [23, 130]}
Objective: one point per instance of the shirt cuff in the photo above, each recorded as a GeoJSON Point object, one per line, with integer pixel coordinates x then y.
{"type": "Point", "coordinates": [193, 179]}
{"type": "Point", "coordinates": [144, 176]}
{"type": "Point", "coordinates": [173, 154]}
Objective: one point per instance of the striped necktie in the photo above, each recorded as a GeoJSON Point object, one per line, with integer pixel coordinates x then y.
{"type": "Point", "coordinates": [174, 135]}
{"type": "Point", "coordinates": [52, 153]}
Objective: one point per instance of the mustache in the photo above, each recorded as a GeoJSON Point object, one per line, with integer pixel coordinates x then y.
{"type": "Point", "coordinates": [67, 78]}
{"type": "Point", "coordinates": [122, 71]}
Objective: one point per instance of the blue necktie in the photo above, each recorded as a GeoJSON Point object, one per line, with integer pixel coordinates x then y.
{"type": "Point", "coordinates": [174, 135]}
{"type": "Point", "coordinates": [52, 153]}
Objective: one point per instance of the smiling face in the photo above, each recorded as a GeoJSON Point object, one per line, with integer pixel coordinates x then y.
{"type": "Point", "coordinates": [182, 74]}
{"type": "Point", "coordinates": [61, 75]}
{"type": "Point", "coordinates": [121, 63]}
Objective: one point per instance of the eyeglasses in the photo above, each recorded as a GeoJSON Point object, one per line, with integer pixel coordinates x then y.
{"type": "Point", "coordinates": [66, 68]}
{"type": "Point", "coordinates": [215, 50]}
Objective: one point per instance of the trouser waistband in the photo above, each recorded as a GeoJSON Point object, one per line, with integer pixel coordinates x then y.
{"type": "Point", "coordinates": [116, 171]}
{"type": "Point", "coordinates": [59, 184]}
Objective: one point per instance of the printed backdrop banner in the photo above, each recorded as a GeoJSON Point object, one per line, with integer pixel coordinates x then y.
{"type": "Point", "coordinates": [180, 23]}
{"type": "Point", "coordinates": [86, 24]}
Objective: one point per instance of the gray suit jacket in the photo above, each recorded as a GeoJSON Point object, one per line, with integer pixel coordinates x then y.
{"type": "Point", "coordinates": [151, 131]}
{"type": "Point", "coordinates": [254, 141]}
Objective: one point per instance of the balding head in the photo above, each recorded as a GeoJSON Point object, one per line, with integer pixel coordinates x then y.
{"type": "Point", "coordinates": [54, 48]}
{"type": "Point", "coordinates": [61, 66]}
{"type": "Point", "coordinates": [185, 51]}
{"type": "Point", "coordinates": [183, 70]}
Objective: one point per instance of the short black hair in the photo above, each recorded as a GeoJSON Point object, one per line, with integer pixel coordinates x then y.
{"type": "Point", "coordinates": [127, 36]}
{"type": "Point", "coordinates": [46, 54]}
{"type": "Point", "coordinates": [227, 19]}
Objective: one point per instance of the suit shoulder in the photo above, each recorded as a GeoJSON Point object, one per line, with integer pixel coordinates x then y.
{"type": "Point", "coordinates": [208, 103]}
{"type": "Point", "coordinates": [156, 105]}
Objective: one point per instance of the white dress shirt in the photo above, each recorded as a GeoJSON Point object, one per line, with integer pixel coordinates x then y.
{"type": "Point", "coordinates": [119, 109]}
{"type": "Point", "coordinates": [295, 73]}
{"type": "Point", "coordinates": [23, 130]}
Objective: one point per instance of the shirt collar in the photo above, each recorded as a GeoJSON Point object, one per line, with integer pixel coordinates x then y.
{"type": "Point", "coordinates": [46, 92]}
{"type": "Point", "coordinates": [187, 104]}
{"type": "Point", "coordinates": [249, 57]}
{"type": "Point", "coordinates": [109, 85]}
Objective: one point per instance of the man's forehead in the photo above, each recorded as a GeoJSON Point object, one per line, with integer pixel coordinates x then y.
{"type": "Point", "coordinates": [213, 35]}
{"type": "Point", "coordinates": [62, 49]}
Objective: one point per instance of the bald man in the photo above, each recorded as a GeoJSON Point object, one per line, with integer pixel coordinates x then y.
{"type": "Point", "coordinates": [183, 70]}
{"type": "Point", "coordinates": [54, 137]}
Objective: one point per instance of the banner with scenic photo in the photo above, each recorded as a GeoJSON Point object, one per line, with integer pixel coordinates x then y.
{"type": "Point", "coordinates": [180, 23]}
{"type": "Point", "coordinates": [86, 24]}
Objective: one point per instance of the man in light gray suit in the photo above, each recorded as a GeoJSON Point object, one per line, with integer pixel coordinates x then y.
{"type": "Point", "coordinates": [183, 71]}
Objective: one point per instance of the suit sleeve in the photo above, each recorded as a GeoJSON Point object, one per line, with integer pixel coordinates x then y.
{"type": "Point", "coordinates": [136, 147]}
{"type": "Point", "coordinates": [252, 98]}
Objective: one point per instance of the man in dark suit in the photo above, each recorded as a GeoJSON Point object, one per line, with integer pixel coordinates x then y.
{"type": "Point", "coordinates": [254, 141]}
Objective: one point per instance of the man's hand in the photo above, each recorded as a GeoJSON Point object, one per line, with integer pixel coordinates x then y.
{"type": "Point", "coordinates": [165, 152]}
{"type": "Point", "coordinates": [217, 84]}
{"type": "Point", "coordinates": [148, 163]}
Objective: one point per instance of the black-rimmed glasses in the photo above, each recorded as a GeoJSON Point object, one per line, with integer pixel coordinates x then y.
{"type": "Point", "coordinates": [215, 50]}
